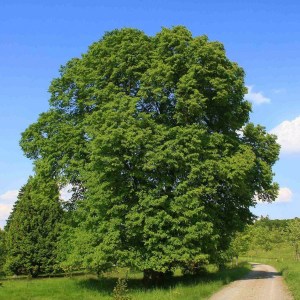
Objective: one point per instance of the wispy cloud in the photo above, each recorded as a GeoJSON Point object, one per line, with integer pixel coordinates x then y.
{"type": "Point", "coordinates": [7, 201]}
{"type": "Point", "coordinates": [5, 210]}
{"type": "Point", "coordinates": [288, 133]}
{"type": "Point", "coordinates": [9, 195]}
{"type": "Point", "coordinates": [256, 97]}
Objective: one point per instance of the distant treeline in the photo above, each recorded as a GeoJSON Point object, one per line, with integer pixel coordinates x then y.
{"type": "Point", "coordinates": [266, 234]}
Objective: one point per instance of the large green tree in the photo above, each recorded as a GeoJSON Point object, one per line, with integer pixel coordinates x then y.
{"type": "Point", "coordinates": [153, 135]}
{"type": "Point", "coordinates": [33, 228]}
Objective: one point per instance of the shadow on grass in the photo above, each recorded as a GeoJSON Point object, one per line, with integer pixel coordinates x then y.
{"type": "Point", "coordinates": [105, 285]}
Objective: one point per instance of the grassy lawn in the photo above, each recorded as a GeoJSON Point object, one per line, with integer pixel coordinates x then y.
{"type": "Point", "coordinates": [90, 287]}
{"type": "Point", "coordinates": [282, 258]}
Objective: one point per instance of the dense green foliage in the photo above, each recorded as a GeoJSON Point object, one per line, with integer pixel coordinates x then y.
{"type": "Point", "coordinates": [32, 229]}
{"type": "Point", "coordinates": [152, 134]}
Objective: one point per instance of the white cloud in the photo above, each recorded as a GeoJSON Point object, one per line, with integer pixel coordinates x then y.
{"type": "Point", "coordinates": [285, 195]}
{"type": "Point", "coordinates": [256, 97]}
{"type": "Point", "coordinates": [9, 195]}
{"type": "Point", "coordinates": [7, 201]}
{"type": "Point", "coordinates": [5, 210]}
{"type": "Point", "coordinates": [288, 133]}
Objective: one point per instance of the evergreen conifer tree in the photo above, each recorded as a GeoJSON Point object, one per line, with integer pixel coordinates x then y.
{"type": "Point", "coordinates": [33, 228]}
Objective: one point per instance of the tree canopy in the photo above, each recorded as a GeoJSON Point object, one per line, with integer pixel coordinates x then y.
{"type": "Point", "coordinates": [153, 135]}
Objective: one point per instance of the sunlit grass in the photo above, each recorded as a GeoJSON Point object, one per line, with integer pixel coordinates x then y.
{"type": "Point", "coordinates": [90, 287]}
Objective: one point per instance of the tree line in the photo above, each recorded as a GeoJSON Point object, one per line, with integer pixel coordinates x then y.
{"type": "Point", "coordinates": [152, 133]}
{"type": "Point", "coordinates": [266, 234]}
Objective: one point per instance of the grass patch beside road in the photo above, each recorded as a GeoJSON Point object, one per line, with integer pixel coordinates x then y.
{"type": "Point", "coordinates": [90, 287]}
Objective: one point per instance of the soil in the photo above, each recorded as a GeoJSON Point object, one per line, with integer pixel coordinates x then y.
{"type": "Point", "coordinates": [262, 283]}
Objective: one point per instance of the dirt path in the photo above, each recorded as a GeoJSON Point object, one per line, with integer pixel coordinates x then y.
{"type": "Point", "coordinates": [262, 283]}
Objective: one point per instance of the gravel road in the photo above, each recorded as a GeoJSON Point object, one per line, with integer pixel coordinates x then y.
{"type": "Point", "coordinates": [262, 283]}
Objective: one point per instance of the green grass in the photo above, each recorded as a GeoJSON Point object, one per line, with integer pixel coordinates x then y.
{"type": "Point", "coordinates": [90, 287]}
{"type": "Point", "coordinates": [282, 258]}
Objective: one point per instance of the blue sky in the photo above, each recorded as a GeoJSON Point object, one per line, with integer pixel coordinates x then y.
{"type": "Point", "coordinates": [263, 37]}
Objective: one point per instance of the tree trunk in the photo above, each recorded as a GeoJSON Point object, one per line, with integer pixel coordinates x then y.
{"type": "Point", "coordinates": [153, 277]}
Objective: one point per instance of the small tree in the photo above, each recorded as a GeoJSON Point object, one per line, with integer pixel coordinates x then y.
{"type": "Point", "coordinates": [294, 236]}
{"type": "Point", "coordinates": [120, 291]}
{"type": "Point", "coordinates": [32, 230]}
{"type": "Point", "coordinates": [239, 245]}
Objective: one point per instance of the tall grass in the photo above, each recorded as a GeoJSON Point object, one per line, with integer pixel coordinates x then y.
{"type": "Point", "coordinates": [90, 287]}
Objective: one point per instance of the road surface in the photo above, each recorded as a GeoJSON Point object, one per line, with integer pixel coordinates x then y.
{"type": "Point", "coordinates": [262, 283]}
